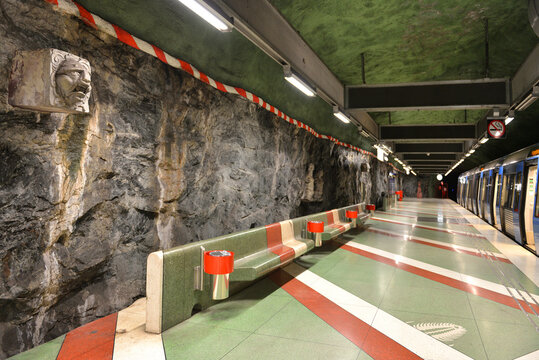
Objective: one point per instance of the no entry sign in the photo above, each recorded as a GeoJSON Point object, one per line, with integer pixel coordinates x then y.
{"type": "Point", "coordinates": [496, 128]}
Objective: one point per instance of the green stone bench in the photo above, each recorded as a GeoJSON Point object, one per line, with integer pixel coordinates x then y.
{"type": "Point", "coordinates": [173, 283]}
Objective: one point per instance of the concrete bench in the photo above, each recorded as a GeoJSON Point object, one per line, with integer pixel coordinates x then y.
{"type": "Point", "coordinates": [173, 288]}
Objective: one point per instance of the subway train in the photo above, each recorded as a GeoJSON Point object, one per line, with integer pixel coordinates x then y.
{"type": "Point", "coordinates": [504, 193]}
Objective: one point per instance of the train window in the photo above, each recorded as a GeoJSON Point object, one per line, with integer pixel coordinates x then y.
{"type": "Point", "coordinates": [509, 191]}
{"type": "Point", "coordinates": [518, 187]}
{"type": "Point", "coordinates": [536, 202]}
{"type": "Point", "coordinates": [499, 190]}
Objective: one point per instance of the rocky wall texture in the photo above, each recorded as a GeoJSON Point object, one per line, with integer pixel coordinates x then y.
{"type": "Point", "coordinates": [161, 160]}
{"type": "Point", "coordinates": [420, 186]}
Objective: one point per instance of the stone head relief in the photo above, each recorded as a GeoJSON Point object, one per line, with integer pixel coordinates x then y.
{"type": "Point", "coordinates": [73, 83]}
{"type": "Point", "coordinates": [50, 80]}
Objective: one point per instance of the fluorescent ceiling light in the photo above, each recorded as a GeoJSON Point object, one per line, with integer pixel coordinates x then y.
{"type": "Point", "coordinates": [413, 173]}
{"type": "Point", "coordinates": [297, 82]}
{"type": "Point", "coordinates": [468, 154]}
{"type": "Point", "coordinates": [340, 115]}
{"type": "Point", "coordinates": [203, 10]}
{"type": "Point", "coordinates": [509, 119]}
{"type": "Point", "coordinates": [484, 140]}
{"type": "Point", "coordinates": [471, 151]}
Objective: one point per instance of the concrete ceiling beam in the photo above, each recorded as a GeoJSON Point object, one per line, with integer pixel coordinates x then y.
{"type": "Point", "coordinates": [433, 147]}
{"type": "Point", "coordinates": [522, 83]}
{"type": "Point", "coordinates": [432, 157]}
{"type": "Point", "coordinates": [437, 95]}
{"type": "Point", "coordinates": [439, 133]}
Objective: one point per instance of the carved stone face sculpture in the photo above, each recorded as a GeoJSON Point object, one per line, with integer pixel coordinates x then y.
{"type": "Point", "coordinates": [50, 80]}
{"type": "Point", "coordinates": [73, 83]}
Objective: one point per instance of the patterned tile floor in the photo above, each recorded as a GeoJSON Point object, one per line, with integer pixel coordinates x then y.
{"type": "Point", "coordinates": [419, 281]}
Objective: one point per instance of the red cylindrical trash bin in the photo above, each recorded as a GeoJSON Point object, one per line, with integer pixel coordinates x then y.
{"type": "Point", "coordinates": [219, 263]}
{"type": "Point", "coordinates": [316, 228]}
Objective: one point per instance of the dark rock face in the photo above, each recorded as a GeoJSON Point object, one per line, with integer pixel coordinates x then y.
{"type": "Point", "coordinates": [161, 160]}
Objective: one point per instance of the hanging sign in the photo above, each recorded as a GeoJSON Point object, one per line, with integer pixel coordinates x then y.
{"type": "Point", "coordinates": [495, 128]}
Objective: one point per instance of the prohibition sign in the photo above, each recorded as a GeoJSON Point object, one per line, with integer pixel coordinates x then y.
{"type": "Point", "coordinates": [496, 129]}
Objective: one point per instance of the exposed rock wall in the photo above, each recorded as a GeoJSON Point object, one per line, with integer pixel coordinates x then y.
{"type": "Point", "coordinates": [161, 160]}
{"type": "Point", "coordinates": [424, 185]}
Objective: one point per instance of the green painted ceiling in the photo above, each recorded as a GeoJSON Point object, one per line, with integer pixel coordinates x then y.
{"type": "Point", "coordinates": [414, 40]}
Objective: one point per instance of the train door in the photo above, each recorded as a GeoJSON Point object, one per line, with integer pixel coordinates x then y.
{"type": "Point", "coordinates": [507, 201]}
{"type": "Point", "coordinates": [530, 207]}
{"type": "Point", "coordinates": [517, 196]}
{"type": "Point", "coordinates": [467, 187]}
{"type": "Point", "coordinates": [498, 199]}
{"type": "Point", "coordinates": [479, 193]}
{"type": "Point", "coordinates": [487, 212]}
{"type": "Point", "coordinates": [475, 194]}
{"type": "Point", "coordinates": [482, 192]}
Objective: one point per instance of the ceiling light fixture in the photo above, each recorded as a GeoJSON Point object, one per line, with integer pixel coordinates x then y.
{"type": "Point", "coordinates": [510, 117]}
{"type": "Point", "coordinates": [340, 115]}
{"type": "Point", "coordinates": [297, 81]}
{"type": "Point", "coordinates": [413, 172]}
{"type": "Point", "coordinates": [209, 14]}
{"type": "Point", "coordinates": [484, 140]}
{"type": "Point", "coordinates": [528, 100]}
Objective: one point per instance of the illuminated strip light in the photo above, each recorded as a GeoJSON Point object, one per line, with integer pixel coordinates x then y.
{"type": "Point", "coordinates": [207, 13]}
{"type": "Point", "coordinates": [510, 117]}
{"type": "Point", "coordinates": [484, 140]}
{"type": "Point", "coordinates": [297, 82]}
{"type": "Point", "coordinates": [528, 100]}
{"type": "Point", "coordinates": [340, 115]}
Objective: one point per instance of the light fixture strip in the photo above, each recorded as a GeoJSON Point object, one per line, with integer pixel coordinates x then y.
{"type": "Point", "coordinates": [297, 81]}
{"type": "Point", "coordinates": [204, 11]}
{"type": "Point", "coordinates": [339, 115]}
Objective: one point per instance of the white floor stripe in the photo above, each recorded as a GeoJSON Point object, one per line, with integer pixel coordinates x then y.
{"type": "Point", "coordinates": [485, 284]}
{"type": "Point", "coordinates": [454, 246]}
{"type": "Point", "coordinates": [414, 340]}
{"type": "Point", "coordinates": [449, 231]}
{"type": "Point", "coordinates": [131, 341]}
{"type": "Point", "coordinates": [531, 356]}
{"type": "Point", "coordinates": [520, 257]}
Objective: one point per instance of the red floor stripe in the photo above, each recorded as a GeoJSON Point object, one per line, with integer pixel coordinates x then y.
{"type": "Point", "coordinates": [93, 341]}
{"type": "Point", "coordinates": [415, 217]}
{"type": "Point", "coordinates": [457, 284]}
{"type": "Point", "coordinates": [370, 340]}
{"type": "Point", "coordinates": [430, 228]}
{"type": "Point", "coordinates": [445, 247]}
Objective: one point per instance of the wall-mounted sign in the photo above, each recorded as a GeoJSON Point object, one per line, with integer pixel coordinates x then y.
{"type": "Point", "coordinates": [495, 128]}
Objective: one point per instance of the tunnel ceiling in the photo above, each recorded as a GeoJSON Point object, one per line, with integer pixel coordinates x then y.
{"type": "Point", "coordinates": [401, 41]}
{"type": "Point", "coordinates": [412, 41]}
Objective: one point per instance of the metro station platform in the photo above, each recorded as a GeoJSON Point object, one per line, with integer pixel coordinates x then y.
{"type": "Point", "coordinates": [426, 279]}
